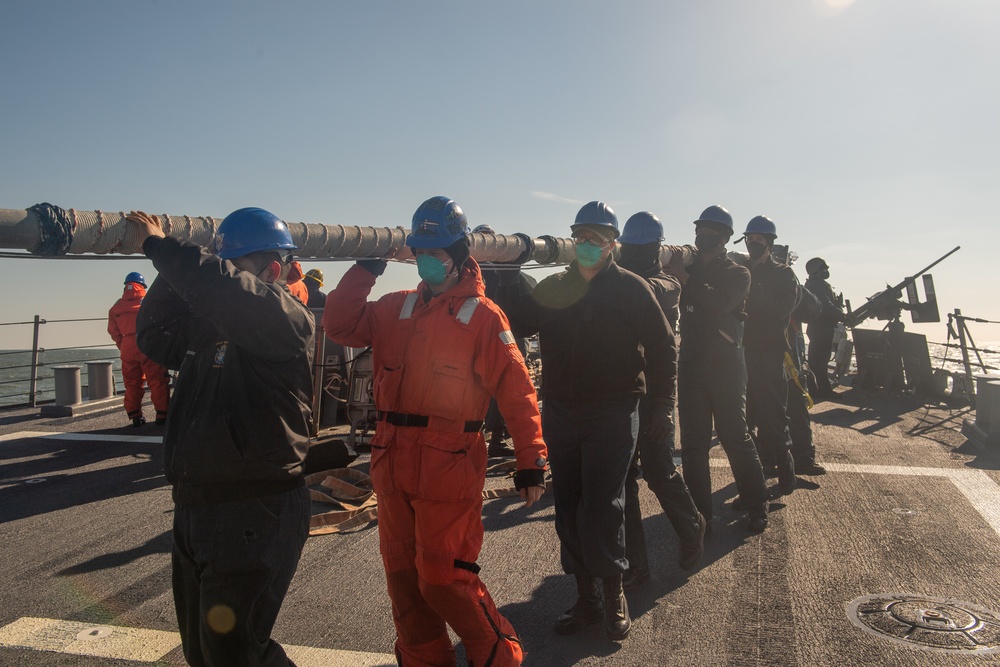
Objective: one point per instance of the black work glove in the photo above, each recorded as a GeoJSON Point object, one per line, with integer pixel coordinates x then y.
{"type": "Point", "coordinates": [661, 421]}
{"type": "Point", "coordinates": [376, 266]}
{"type": "Point", "coordinates": [529, 477]}
{"type": "Point", "coordinates": [529, 250]}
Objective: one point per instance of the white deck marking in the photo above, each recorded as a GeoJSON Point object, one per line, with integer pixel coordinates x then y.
{"type": "Point", "coordinates": [98, 437]}
{"type": "Point", "coordinates": [977, 487]}
{"type": "Point", "coordinates": [140, 645]}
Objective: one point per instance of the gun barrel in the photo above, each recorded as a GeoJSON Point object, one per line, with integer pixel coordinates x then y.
{"type": "Point", "coordinates": [854, 318]}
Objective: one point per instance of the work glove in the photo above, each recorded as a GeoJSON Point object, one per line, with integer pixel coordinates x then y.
{"type": "Point", "coordinates": [376, 266]}
{"type": "Point", "coordinates": [661, 421]}
{"type": "Point", "coordinates": [529, 248]}
{"type": "Point", "coordinates": [529, 477]}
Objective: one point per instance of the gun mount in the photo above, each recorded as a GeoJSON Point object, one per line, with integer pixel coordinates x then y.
{"type": "Point", "coordinates": [888, 304]}
{"type": "Point", "coordinates": [892, 357]}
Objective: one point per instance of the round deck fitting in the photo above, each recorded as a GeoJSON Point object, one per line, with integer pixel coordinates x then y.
{"type": "Point", "coordinates": [928, 623]}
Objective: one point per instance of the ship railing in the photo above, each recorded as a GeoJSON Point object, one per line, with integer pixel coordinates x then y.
{"type": "Point", "coordinates": [26, 375]}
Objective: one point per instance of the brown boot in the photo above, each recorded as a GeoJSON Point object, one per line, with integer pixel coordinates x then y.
{"type": "Point", "coordinates": [587, 610]}
{"type": "Point", "coordinates": [616, 619]}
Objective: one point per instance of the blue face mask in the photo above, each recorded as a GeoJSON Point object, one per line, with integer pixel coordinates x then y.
{"type": "Point", "coordinates": [432, 269]}
{"type": "Point", "coordinates": [588, 254]}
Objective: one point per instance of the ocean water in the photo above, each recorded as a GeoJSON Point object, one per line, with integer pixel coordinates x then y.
{"type": "Point", "coordinates": [15, 372]}
{"type": "Point", "coordinates": [950, 358]}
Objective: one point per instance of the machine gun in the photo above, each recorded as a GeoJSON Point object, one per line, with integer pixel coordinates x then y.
{"type": "Point", "coordinates": [892, 357]}
{"type": "Point", "coordinates": [888, 304]}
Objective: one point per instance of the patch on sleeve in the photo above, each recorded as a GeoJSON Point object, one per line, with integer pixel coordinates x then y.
{"type": "Point", "coordinates": [507, 337]}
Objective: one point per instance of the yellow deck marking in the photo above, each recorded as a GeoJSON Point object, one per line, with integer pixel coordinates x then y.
{"type": "Point", "coordinates": [977, 487]}
{"type": "Point", "coordinates": [141, 645]}
{"type": "Point", "coordinates": [89, 437]}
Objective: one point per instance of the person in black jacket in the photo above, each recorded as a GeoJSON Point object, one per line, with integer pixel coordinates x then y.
{"type": "Point", "coordinates": [820, 332]}
{"type": "Point", "coordinates": [604, 342]}
{"type": "Point", "coordinates": [711, 371]}
{"type": "Point", "coordinates": [237, 431]}
{"type": "Point", "coordinates": [494, 422]}
{"type": "Point", "coordinates": [773, 292]}
{"type": "Point", "coordinates": [640, 254]}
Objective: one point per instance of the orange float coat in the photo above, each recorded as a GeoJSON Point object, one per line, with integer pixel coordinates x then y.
{"type": "Point", "coordinates": [296, 285]}
{"type": "Point", "coordinates": [440, 358]}
{"type": "Point", "coordinates": [121, 328]}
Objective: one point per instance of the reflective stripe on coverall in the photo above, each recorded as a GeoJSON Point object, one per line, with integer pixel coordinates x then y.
{"type": "Point", "coordinates": [441, 359]}
{"type": "Point", "coordinates": [135, 364]}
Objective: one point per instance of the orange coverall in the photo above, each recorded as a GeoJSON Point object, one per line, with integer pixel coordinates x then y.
{"type": "Point", "coordinates": [441, 359]}
{"type": "Point", "coordinates": [121, 327]}
{"type": "Point", "coordinates": [296, 285]}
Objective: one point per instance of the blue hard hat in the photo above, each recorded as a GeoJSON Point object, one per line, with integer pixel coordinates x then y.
{"type": "Point", "coordinates": [642, 228]}
{"type": "Point", "coordinates": [597, 214]}
{"type": "Point", "coordinates": [437, 223]}
{"type": "Point", "coordinates": [135, 277]}
{"type": "Point", "coordinates": [250, 230]}
{"type": "Point", "coordinates": [761, 225]}
{"type": "Point", "coordinates": [717, 216]}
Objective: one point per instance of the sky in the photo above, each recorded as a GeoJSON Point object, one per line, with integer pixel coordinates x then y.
{"type": "Point", "coordinates": [867, 130]}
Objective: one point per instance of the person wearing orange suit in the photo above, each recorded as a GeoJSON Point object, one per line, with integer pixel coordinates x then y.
{"type": "Point", "coordinates": [439, 353]}
{"type": "Point", "coordinates": [135, 364]}
{"type": "Point", "coordinates": [295, 283]}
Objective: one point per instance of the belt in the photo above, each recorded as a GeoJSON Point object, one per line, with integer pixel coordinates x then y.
{"type": "Point", "coordinates": [423, 421]}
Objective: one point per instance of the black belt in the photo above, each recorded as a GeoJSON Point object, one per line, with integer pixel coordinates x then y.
{"type": "Point", "coordinates": [421, 421]}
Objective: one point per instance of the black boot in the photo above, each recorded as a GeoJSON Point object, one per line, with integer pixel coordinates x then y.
{"type": "Point", "coordinates": [138, 421]}
{"type": "Point", "coordinates": [588, 608]}
{"type": "Point", "coordinates": [757, 520]}
{"type": "Point", "coordinates": [616, 620]}
{"type": "Point", "coordinates": [786, 472]}
{"type": "Point", "coordinates": [693, 547]}
{"type": "Point", "coordinates": [635, 576]}
{"type": "Point", "coordinates": [498, 447]}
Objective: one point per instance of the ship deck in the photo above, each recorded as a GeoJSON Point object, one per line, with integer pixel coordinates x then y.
{"type": "Point", "coordinates": [902, 534]}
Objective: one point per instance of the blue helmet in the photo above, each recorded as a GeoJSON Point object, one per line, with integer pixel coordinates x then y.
{"type": "Point", "coordinates": [597, 214]}
{"type": "Point", "coordinates": [642, 228]}
{"type": "Point", "coordinates": [717, 217]}
{"type": "Point", "coordinates": [761, 225]}
{"type": "Point", "coordinates": [251, 230]}
{"type": "Point", "coordinates": [437, 223]}
{"type": "Point", "coordinates": [135, 277]}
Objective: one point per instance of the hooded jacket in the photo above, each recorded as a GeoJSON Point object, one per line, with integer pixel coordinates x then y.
{"type": "Point", "coordinates": [238, 425]}
{"type": "Point", "coordinates": [121, 319]}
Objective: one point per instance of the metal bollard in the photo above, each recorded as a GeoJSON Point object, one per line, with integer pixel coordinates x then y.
{"type": "Point", "coordinates": [988, 402]}
{"type": "Point", "coordinates": [67, 379]}
{"type": "Point", "coordinates": [100, 381]}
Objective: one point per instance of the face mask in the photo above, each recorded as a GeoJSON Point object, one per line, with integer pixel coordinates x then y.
{"type": "Point", "coordinates": [707, 242]}
{"type": "Point", "coordinates": [756, 250]}
{"type": "Point", "coordinates": [825, 275]}
{"type": "Point", "coordinates": [588, 254]}
{"type": "Point", "coordinates": [432, 269]}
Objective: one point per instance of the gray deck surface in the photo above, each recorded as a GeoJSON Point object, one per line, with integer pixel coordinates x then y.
{"type": "Point", "coordinates": [908, 507]}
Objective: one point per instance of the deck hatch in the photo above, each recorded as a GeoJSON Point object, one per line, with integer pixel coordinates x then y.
{"type": "Point", "coordinates": [928, 623]}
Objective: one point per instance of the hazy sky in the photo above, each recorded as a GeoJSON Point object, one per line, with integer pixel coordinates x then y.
{"type": "Point", "coordinates": [869, 131]}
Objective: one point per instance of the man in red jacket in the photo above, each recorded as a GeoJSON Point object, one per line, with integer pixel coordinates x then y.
{"type": "Point", "coordinates": [135, 364]}
{"type": "Point", "coordinates": [439, 353]}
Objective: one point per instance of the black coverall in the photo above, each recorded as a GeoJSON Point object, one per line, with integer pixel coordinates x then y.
{"type": "Point", "coordinates": [655, 456]}
{"type": "Point", "coordinates": [236, 437]}
{"type": "Point", "coordinates": [820, 334]}
{"type": "Point", "coordinates": [773, 291]}
{"type": "Point", "coordinates": [711, 381]}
